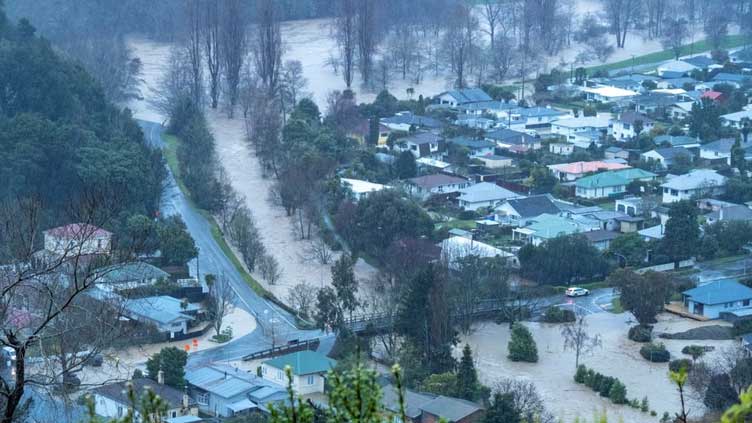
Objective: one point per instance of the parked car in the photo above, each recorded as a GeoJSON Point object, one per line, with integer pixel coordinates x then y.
{"type": "Point", "coordinates": [577, 292]}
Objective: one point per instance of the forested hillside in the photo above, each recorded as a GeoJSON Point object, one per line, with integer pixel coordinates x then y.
{"type": "Point", "coordinates": [60, 139]}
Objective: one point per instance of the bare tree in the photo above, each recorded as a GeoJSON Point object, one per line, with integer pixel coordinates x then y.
{"type": "Point", "coordinates": [234, 47]}
{"type": "Point", "coordinates": [492, 12]}
{"type": "Point", "coordinates": [219, 303]}
{"type": "Point", "coordinates": [173, 88]}
{"type": "Point", "coordinates": [302, 298]}
{"type": "Point", "coordinates": [267, 46]}
{"type": "Point", "coordinates": [193, 50]}
{"type": "Point", "coordinates": [293, 84]}
{"type": "Point", "coordinates": [577, 338]}
{"type": "Point", "coordinates": [621, 15]}
{"type": "Point", "coordinates": [245, 236]}
{"type": "Point", "coordinates": [460, 38]}
{"type": "Point", "coordinates": [367, 30]}
{"type": "Point", "coordinates": [229, 201]}
{"type": "Point", "coordinates": [656, 10]}
{"type": "Point", "coordinates": [318, 251]}
{"type": "Point", "coordinates": [526, 398]}
{"type": "Point", "coordinates": [212, 48]}
{"type": "Point", "coordinates": [675, 32]}
{"type": "Point", "coordinates": [345, 33]}
{"type": "Point", "coordinates": [269, 269]}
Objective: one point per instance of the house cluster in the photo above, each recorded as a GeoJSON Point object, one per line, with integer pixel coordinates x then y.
{"type": "Point", "coordinates": [221, 391]}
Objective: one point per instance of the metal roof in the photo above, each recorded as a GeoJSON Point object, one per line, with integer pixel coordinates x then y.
{"type": "Point", "coordinates": [719, 292]}
{"type": "Point", "coordinates": [303, 362]}
{"type": "Point", "coordinates": [226, 384]}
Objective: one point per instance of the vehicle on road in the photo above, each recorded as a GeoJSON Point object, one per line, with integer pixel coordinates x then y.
{"type": "Point", "coordinates": [577, 292]}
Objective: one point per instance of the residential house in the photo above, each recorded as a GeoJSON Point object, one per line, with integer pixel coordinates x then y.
{"type": "Point", "coordinates": [665, 158]}
{"type": "Point", "coordinates": [111, 401]}
{"type": "Point", "coordinates": [601, 238]}
{"type": "Point", "coordinates": [613, 152]}
{"type": "Point", "coordinates": [545, 227]}
{"type": "Point", "coordinates": [477, 148]}
{"type": "Point", "coordinates": [626, 125]}
{"type": "Point", "coordinates": [405, 121]}
{"type": "Point", "coordinates": [423, 144]}
{"type": "Point", "coordinates": [676, 141]}
{"type": "Point", "coordinates": [675, 83]}
{"type": "Point", "coordinates": [733, 213]}
{"type": "Point", "coordinates": [573, 171]}
{"type": "Point", "coordinates": [733, 79]}
{"type": "Point", "coordinates": [509, 139]}
{"type": "Point", "coordinates": [606, 94]}
{"type": "Point", "coordinates": [497, 109]}
{"type": "Point", "coordinates": [712, 204]}
{"type": "Point", "coordinates": [714, 96]}
{"type": "Point", "coordinates": [309, 369]}
{"type": "Point", "coordinates": [737, 119]}
{"type": "Point", "coordinates": [561, 148]}
{"type": "Point", "coordinates": [518, 211]}
{"type": "Point", "coordinates": [170, 316]}
{"type": "Point", "coordinates": [463, 96]}
{"type": "Point", "coordinates": [433, 165]}
{"type": "Point", "coordinates": [632, 206]}
{"type": "Point", "coordinates": [700, 61]}
{"type": "Point", "coordinates": [474, 122]}
{"type": "Point", "coordinates": [484, 194]}
{"type": "Point", "coordinates": [457, 247]}
{"type": "Point", "coordinates": [719, 150]}
{"type": "Point", "coordinates": [540, 117]}
{"type": "Point", "coordinates": [653, 102]}
{"type": "Point", "coordinates": [680, 110]}
{"type": "Point", "coordinates": [77, 239]}
{"type": "Point", "coordinates": [422, 407]}
{"type": "Point", "coordinates": [225, 391]}
{"type": "Point", "coordinates": [600, 185]}
{"type": "Point", "coordinates": [653, 233]}
{"type": "Point", "coordinates": [675, 69]}
{"type": "Point", "coordinates": [713, 298]}
{"type": "Point", "coordinates": [129, 276]}
{"type": "Point", "coordinates": [582, 131]}
{"type": "Point", "coordinates": [361, 189]}
{"type": "Point", "coordinates": [698, 182]}
{"type": "Point", "coordinates": [436, 184]}
{"type": "Point", "coordinates": [496, 162]}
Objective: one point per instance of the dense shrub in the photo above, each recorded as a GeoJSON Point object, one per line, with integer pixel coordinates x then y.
{"type": "Point", "coordinates": [558, 315]}
{"type": "Point", "coordinates": [676, 365]}
{"type": "Point", "coordinates": [522, 345]}
{"type": "Point", "coordinates": [657, 353]}
{"type": "Point", "coordinates": [641, 333]}
{"type": "Point", "coordinates": [606, 386]}
{"type": "Point", "coordinates": [696, 351]}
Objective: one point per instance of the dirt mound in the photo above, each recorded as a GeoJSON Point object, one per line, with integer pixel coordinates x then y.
{"type": "Point", "coordinates": [706, 332]}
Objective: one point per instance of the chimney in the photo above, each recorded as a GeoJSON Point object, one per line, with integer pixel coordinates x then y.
{"type": "Point", "coordinates": [160, 377]}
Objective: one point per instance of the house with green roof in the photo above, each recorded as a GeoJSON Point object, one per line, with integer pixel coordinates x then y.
{"type": "Point", "coordinates": [309, 369]}
{"type": "Point", "coordinates": [611, 183]}
{"type": "Point", "coordinates": [545, 227]}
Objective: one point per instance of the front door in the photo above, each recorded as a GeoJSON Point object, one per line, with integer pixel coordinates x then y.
{"type": "Point", "coordinates": [699, 309]}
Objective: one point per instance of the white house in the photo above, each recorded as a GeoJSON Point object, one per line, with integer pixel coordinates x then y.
{"type": "Point", "coordinates": [496, 162]}
{"type": "Point", "coordinates": [309, 371]}
{"type": "Point", "coordinates": [518, 211]}
{"type": "Point", "coordinates": [665, 157]}
{"type": "Point", "coordinates": [699, 182]}
{"type": "Point", "coordinates": [605, 94]}
{"type": "Point", "coordinates": [572, 171]}
{"type": "Point", "coordinates": [623, 128]}
{"type": "Point", "coordinates": [436, 184]}
{"type": "Point", "coordinates": [464, 96]}
{"type": "Point", "coordinates": [484, 194]}
{"type": "Point", "coordinates": [169, 316]}
{"type": "Point", "coordinates": [111, 401]}
{"type": "Point", "coordinates": [681, 110]}
{"type": "Point", "coordinates": [458, 247]}
{"type": "Point", "coordinates": [422, 144]}
{"type": "Point", "coordinates": [675, 69]}
{"type": "Point", "coordinates": [572, 129]}
{"type": "Point", "coordinates": [360, 188]}
{"type": "Point", "coordinates": [77, 239]}
{"type": "Point", "coordinates": [561, 148]}
{"type": "Point", "coordinates": [718, 150]}
{"type": "Point", "coordinates": [736, 120]}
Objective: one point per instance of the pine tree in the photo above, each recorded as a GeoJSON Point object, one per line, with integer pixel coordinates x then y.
{"type": "Point", "coordinates": [618, 393]}
{"type": "Point", "coordinates": [467, 377]}
{"type": "Point", "coordinates": [522, 345]}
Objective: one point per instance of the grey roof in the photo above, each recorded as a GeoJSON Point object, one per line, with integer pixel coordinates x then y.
{"type": "Point", "coordinates": [185, 419]}
{"type": "Point", "coordinates": [118, 392]}
{"type": "Point", "coordinates": [407, 118]}
{"type": "Point", "coordinates": [719, 292]}
{"type": "Point", "coordinates": [529, 112]}
{"type": "Point", "coordinates": [161, 309]}
{"type": "Point", "coordinates": [469, 95]}
{"type": "Point", "coordinates": [701, 62]}
{"type": "Point", "coordinates": [130, 272]}
{"type": "Point", "coordinates": [614, 149]}
{"type": "Point", "coordinates": [422, 138]}
{"type": "Point", "coordinates": [472, 143]}
{"type": "Point", "coordinates": [533, 206]}
{"type": "Point", "coordinates": [670, 153]}
{"type": "Point", "coordinates": [729, 77]}
{"type": "Point", "coordinates": [414, 401]}
{"type": "Point", "coordinates": [675, 141]}
{"type": "Point", "coordinates": [451, 409]}
{"type": "Point", "coordinates": [435, 180]}
{"type": "Point", "coordinates": [655, 99]}
{"type": "Point", "coordinates": [510, 136]}
{"type": "Point", "coordinates": [736, 212]}
{"type": "Point", "coordinates": [226, 381]}
{"type": "Point", "coordinates": [695, 179]}
{"type": "Point", "coordinates": [485, 191]}
{"type": "Point", "coordinates": [722, 145]}
{"type": "Point", "coordinates": [631, 117]}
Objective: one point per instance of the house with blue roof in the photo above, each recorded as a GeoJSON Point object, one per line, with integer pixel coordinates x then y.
{"type": "Point", "coordinates": [712, 299]}
{"type": "Point", "coordinates": [734, 79]}
{"type": "Point", "coordinates": [463, 96]}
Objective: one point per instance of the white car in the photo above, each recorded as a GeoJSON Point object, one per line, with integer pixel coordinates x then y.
{"type": "Point", "coordinates": [577, 292]}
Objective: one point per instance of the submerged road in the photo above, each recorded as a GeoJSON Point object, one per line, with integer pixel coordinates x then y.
{"type": "Point", "coordinates": [275, 325]}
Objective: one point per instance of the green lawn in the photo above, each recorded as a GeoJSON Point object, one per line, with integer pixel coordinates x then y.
{"type": "Point", "coordinates": [457, 224]}
{"type": "Point", "coordinates": [732, 41]}
{"type": "Point", "coordinates": [616, 306]}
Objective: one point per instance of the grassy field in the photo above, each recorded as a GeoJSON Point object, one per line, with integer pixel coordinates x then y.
{"type": "Point", "coordinates": [616, 306]}
{"type": "Point", "coordinates": [732, 41]}
{"type": "Point", "coordinates": [457, 224]}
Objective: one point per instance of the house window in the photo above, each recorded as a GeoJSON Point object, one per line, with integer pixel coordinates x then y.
{"type": "Point", "coordinates": [309, 380]}
{"type": "Point", "coordinates": [279, 374]}
{"type": "Point", "coordinates": [119, 411]}
{"type": "Point", "coordinates": [745, 303]}
{"type": "Point", "coordinates": [174, 414]}
{"type": "Point", "coordinates": [203, 398]}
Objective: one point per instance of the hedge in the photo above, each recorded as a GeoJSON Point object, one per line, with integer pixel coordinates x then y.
{"type": "Point", "coordinates": [606, 386]}
{"type": "Point", "coordinates": [657, 353]}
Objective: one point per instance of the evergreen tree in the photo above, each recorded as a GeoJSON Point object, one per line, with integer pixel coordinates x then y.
{"type": "Point", "coordinates": [404, 166]}
{"type": "Point", "coordinates": [522, 345]}
{"type": "Point", "coordinates": [682, 231]}
{"type": "Point", "coordinates": [171, 361]}
{"type": "Point", "coordinates": [618, 393]}
{"type": "Point", "coordinates": [345, 284]}
{"type": "Point", "coordinates": [467, 377]}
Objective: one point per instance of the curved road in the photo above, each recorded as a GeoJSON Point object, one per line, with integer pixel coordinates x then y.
{"type": "Point", "coordinates": [213, 260]}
